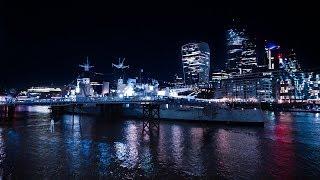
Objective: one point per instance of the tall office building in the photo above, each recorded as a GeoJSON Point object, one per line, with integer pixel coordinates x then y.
{"type": "Point", "coordinates": [249, 56]}
{"type": "Point", "coordinates": [241, 51]}
{"type": "Point", "coordinates": [196, 63]}
{"type": "Point", "coordinates": [272, 54]}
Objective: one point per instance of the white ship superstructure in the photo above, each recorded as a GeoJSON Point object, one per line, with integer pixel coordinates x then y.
{"type": "Point", "coordinates": [85, 85]}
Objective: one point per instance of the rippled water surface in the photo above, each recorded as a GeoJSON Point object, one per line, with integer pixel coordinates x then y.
{"type": "Point", "coordinates": [90, 146]}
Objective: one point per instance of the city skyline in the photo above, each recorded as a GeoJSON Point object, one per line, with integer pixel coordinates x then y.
{"type": "Point", "coordinates": [159, 90]}
{"type": "Point", "coordinates": [53, 44]}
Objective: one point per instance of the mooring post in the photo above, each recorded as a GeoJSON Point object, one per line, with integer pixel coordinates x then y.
{"type": "Point", "coordinates": [1, 111]}
{"type": "Point", "coordinates": [73, 111]}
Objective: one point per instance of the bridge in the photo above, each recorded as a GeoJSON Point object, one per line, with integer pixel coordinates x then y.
{"type": "Point", "coordinates": [84, 100]}
{"type": "Point", "coordinates": [107, 105]}
{"type": "Point", "coordinates": [112, 107]}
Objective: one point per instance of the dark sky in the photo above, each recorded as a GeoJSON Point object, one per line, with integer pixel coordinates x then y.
{"type": "Point", "coordinates": [42, 43]}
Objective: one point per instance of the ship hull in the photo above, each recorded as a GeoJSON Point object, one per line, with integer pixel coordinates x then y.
{"type": "Point", "coordinates": [228, 115]}
{"type": "Point", "coordinates": [197, 114]}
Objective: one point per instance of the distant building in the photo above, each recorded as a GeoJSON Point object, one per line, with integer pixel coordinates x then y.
{"type": "Point", "coordinates": [5, 97]}
{"type": "Point", "coordinates": [299, 87]}
{"type": "Point", "coordinates": [241, 51]}
{"type": "Point", "coordinates": [313, 86]}
{"type": "Point", "coordinates": [217, 76]}
{"type": "Point", "coordinates": [40, 93]}
{"type": "Point", "coordinates": [178, 81]}
{"type": "Point", "coordinates": [196, 63]}
{"type": "Point", "coordinates": [247, 87]}
{"type": "Point", "coordinates": [294, 84]}
{"type": "Point", "coordinates": [272, 54]}
{"type": "Point", "coordinates": [280, 86]}
{"type": "Point", "coordinates": [288, 61]}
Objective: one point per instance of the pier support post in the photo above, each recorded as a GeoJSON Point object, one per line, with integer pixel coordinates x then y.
{"type": "Point", "coordinates": [7, 112]}
{"type": "Point", "coordinates": [73, 112]}
{"type": "Point", "coordinates": [151, 117]}
{"type": "Point", "coordinates": [2, 112]}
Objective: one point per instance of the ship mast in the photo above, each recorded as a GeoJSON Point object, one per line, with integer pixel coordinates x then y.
{"type": "Point", "coordinates": [86, 66]}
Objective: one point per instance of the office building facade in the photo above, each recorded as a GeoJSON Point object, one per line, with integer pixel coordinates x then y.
{"type": "Point", "coordinates": [196, 63]}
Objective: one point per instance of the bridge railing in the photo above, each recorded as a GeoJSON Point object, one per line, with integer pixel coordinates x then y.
{"type": "Point", "coordinates": [115, 99]}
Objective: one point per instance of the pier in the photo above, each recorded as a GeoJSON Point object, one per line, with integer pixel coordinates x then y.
{"type": "Point", "coordinates": [150, 110]}
{"type": "Point", "coordinates": [108, 105]}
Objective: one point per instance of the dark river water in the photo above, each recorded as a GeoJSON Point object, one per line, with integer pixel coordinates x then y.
{"type": "Point", "coordinates": [287, 147]}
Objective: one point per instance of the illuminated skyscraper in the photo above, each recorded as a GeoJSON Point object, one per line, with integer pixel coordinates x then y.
{"type": "Point", "coordinates": [293, 84]}
{"type": "Point", "coordinates": [241, 51]}
{"type": "Point", "coordinates": [288, 61]}
{"type": "Point", "coordinates": [272, 54]}
{"type": "Point", "coordinates": [196, 63]}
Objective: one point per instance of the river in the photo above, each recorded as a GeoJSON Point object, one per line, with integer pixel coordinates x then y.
{"type": "Point", "coordinates": [288, 146]}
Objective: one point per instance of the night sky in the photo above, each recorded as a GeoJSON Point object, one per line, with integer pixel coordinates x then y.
{"type": "Point", "coordinates": [43, 44]}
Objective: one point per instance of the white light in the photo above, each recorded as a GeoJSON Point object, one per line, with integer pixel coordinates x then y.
{"type": "Point", "coordinates": [128, 91]}
{"type": "Point", "coordinates": [161, 93]}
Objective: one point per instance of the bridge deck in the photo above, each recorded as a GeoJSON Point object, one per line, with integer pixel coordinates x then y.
{"type": "Point", "coordinates": [64, 101]}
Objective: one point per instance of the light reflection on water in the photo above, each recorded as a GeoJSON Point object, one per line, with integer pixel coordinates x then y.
{"type": "Point", "coordinates": [132, 141]}
{"type": "Point", "coordinates": [177, 145]}
{"type": "Point", "coordinates": [2, 147]}
{"type": "Point", "coordinates": [38, 109]}
{"type": "Point", "coordinates": [238, 151]}
{"type": "Point", "coordinates": [81, 146]}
